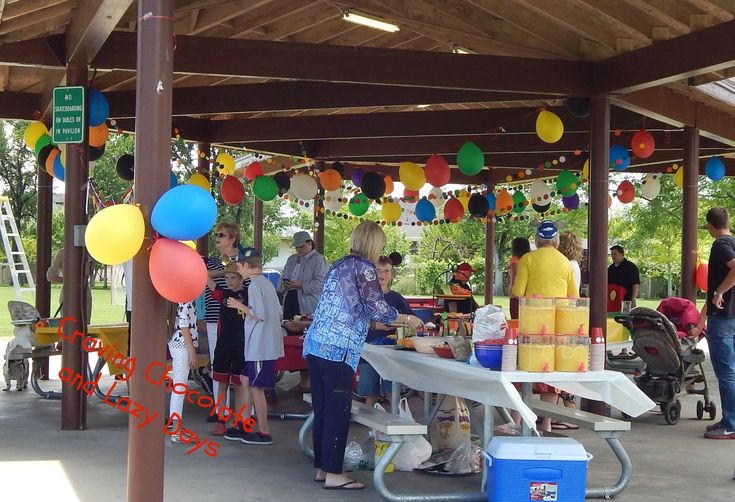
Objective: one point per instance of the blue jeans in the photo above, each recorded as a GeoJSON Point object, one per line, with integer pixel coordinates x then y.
{"type": "Point", "coordinates": [721, 340]}
{"type": "Point", "coordinates": [369, 383]}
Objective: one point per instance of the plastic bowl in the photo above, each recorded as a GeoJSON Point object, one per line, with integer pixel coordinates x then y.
{"type": "Point", "coordinates": [425, 344]}
{"type": "Point", "coordinates": [444, 351]}
{"type": "Point", "coordinates": [489, 356]}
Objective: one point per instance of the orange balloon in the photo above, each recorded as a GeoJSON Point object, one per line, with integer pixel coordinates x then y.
{"type": "Point", "coordinates": [50, 161]}
{"type": "Point", "coordinates": [98, 135]}
{"type": "Point", "coordinates": [330, 179]}
{"type": "Point", "coordinates": [388, 185]}
{"type": "Point", "coordinates": [254, 170]}
{"type": "Point", "coordinates": [503, 202]}
{"type": "Point", "coordinates": [177, 272]}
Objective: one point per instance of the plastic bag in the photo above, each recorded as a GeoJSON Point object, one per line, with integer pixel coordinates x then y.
{"type": "Point", "coordinates": [382, 442]}
{"type": "Point", "coordinates": [413, 452]}
{"type": "Point", "coordinates": [489, 324]}
{"type": "Point", "coordinates": [353, 455]}
{"type": "Point", "coordinates": [451, 424]}
{"type": "Point", "coordinates": [466, 459]}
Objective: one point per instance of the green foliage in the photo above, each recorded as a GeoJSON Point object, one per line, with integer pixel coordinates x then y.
{"type": "Point", "coordinates": [338, 231]}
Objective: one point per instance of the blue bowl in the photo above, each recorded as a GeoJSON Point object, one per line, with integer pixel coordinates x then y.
{"type": "Point", "coordinates": [490, 356]}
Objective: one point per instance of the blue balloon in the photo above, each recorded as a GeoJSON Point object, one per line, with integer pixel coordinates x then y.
{"type": "Point", "coordinates": [714, 169]}
{"type": "Point", "coordinates": [173, 180]}
{"type": "Point", "coordinates": [58, 168]}
{"type": "Point", "coordinates": [491, 201]}
{"type": "Point", "coordinates": [619, 158]}
{"type": "Point", "coordinates": [184, 213]}
{"type": "Point", "coordinates": [99, 109]}
{"type": "Point", "coordinates": [425, 210]}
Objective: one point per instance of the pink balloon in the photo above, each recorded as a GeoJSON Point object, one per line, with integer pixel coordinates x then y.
{"type": "Point", "coordinates": [702, 270]}
{"type": "Point", "coordinates": [178, 273]}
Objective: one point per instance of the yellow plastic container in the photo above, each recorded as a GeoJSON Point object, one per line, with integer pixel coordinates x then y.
{"type": "Point", "coordinates": [616, 332]}
{"type": "Point", "coordinates": [573, 316]}
{"type": "Point", "coordinates": [536, 316]}
{"type": "Point", "coordinates": [536, 353]}
{"type": "Point", "coordinates": [572, 353]}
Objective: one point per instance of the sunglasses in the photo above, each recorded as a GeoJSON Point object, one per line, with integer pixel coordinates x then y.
{"type": "Point", "coordinates": [221, 235]}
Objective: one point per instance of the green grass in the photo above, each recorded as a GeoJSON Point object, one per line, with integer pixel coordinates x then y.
{"type": "Point", "coordinates": [103, 311]}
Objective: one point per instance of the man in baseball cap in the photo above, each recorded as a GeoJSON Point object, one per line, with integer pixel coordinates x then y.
{"type": "Point", "coordinates": [459, 286]}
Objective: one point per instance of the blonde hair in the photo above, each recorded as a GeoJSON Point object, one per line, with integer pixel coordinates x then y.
{"type": "Point", "coordinates": [231, 268]}
{"type": "Point", "coordinates": [367, 240]}
{"type": "Point", "coordinates": [231, 228]}
{"type": "Point", "coordinates": [570, 246]}
{"type": "Point", "coordinates": [543, 243]}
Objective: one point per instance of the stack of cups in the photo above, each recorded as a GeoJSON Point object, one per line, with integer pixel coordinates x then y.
{"type": "Point", "coordinates": [597, 350]}
{"type": "Point", "coordinates": [510, 350]}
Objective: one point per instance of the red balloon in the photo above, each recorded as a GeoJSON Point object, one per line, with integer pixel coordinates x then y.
{"type": "Point", "coordinates": [437, 171]}
{"type": "Point", "coordinates": [254, 170]}
{"type": "Point", "coordinates": [232, 190]}
{"type": "Point", "coordinates": [702, 271]}
{"type": "Point", "coordinates": [642, 144]}
{"type": "Point", "coordinates": [453, 210]}
{"type": "Point", "coordinates": [626, 192]}
{"type": "Point", "coordinates": [410, 195]}
{"type": "Point", "coordinates": [178, 273]}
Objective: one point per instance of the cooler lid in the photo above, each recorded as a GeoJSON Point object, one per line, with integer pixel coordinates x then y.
{"type": "Point", "coordinates": [535, 448]}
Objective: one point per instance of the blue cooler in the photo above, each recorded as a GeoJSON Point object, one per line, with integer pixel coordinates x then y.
{"type": "Point", "coordinates": [532, 468]}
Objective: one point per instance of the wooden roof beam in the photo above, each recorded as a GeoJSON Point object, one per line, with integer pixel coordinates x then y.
{"type": "Point", "coordinates": [297, 96]}
{"type": "Point", "coordinates": [708, 50]}
{"type": "Point", "coordinates": [295, 61]}
{"type": "Point", "coordinates": [19, 105]}
{"type": "Point", "coordinates": [91, 23]}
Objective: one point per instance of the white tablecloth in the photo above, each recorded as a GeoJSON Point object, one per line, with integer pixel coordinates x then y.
{"type": "Point", "coordinates": [428, 372]}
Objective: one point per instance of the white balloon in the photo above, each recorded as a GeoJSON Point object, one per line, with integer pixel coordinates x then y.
{"type": "Point", "coordinates": [436, 197]}
{"type": "Point", "coordinates": [651, 186]}
{"type": "Point", "coordinates": [539, 188]}
{"type": "Point", "coordinates": [332, 200]}
{"type": "Point", "coordinates": [304, 187]}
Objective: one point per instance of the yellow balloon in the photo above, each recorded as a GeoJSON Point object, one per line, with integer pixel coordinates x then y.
{"type": "Point", "coordinates": [115, 234]}
{"type": "Point", "coordinates": [199, 180]}
{"type": "Point", "coordinates": [63, 155]}
{"type": "Point", "coordinates": [391, 211]}
{"type": "Point", "coordinates": [34, 131]}
{"type": "Point", "coordinates": [549, 127]}
{"type": "Point", "coordinates": [226, 164]}
{"type": "Point", "coordinates": [191, 244]}
{"type": "Point", "coordinates": [586, 170]}
{"type": "Point", "coordinates": [464, 198]}
{"type": "Point", "coordinates": [679, 177]}
{"type": "Point", "coordinates": [411, 175]}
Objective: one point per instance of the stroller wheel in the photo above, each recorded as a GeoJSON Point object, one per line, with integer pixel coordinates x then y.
{"type": "Point", "coordinates": [712, 410]}
{"type": "Point", "coordinates": [700, 410]}
{"type": "Point", "coordinates": [673, 412]}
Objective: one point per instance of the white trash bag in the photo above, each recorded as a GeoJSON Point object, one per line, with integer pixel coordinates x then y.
{"type": "Point", "coordinates": [414, 452]}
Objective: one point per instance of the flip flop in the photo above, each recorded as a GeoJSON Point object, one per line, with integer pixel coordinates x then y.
{"type": "Point", "coordinates": [319, 480]}
{"type": "Point", "coordinates": [345, 486]}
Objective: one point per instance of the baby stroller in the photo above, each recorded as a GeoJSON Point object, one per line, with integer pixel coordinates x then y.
{"type": "Point", "coordinates": [673, 363]}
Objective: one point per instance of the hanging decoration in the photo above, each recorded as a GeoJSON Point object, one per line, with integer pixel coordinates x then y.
{"type": "Point", "coordinates": [491, 203]}
{"type": "Point", "coordinates": [391, 211]}
{"type": "Point", "coordinates": [425, 210]}
{"type": "Point", "coordinates": [357, 175]}
{"type": "Point", "coordinates": [115, 234]}
{"type": "Point", "coordinates": [177, 272]}
{"type": "Point", "coordinates": [254, 170]}
{"type": "Point", "coordinates": [567, 183]}
{"type": "Point", "coordinates": [33, 132]}
{"type": "Point", "coordinates": [679, 177]}
{"type": "Point", "coordinates": [571, 202]}
{"type": "Point", "coordinates": [626, 192]}
{"type": "Point", "coordinates": [619, 158]}
{"type": "Point", "coordinates": [540, 196]}
{"type": "Point", "coordinates": [503, 202]}
{"type": "Point", "coordinates": [437, 171]}
{"type": "Point", "coordinates": [359, 204]}
{"type": "Point", "coordinates": [98, 108]}
{"type": "Point", "coordinates": [95, 153]}
{"type": "Point", "coordinates": [642, 144]}
{"type": "Point", "coordinates": [411, 175]}
{"type": "Point", "coordinates": [453, 210]}
{"type": "Point", "coordinates": [330, 180]}
{"type": "Point", "coordinates": [586, 171]}
{"type": "Point", "coordinates": [389, 187]}
{"type": "Point", "coordinates": [436, 197]}
{"type": "Point", "coordinates": [373, 185]}
{"type": "Point", "coordinates": [519, 202]}
{"type": "Point", "coordinates": [651, 186]}
{"type": "Point", "coordinates": [283, 181]}
{"type": "Point", "coordinates": [478, 205]}
{"type": "Point", "coordinates": [265, 188]}
{"type": "Point", "coordinates": [578, 107]}
{"type": "Point", "coordinates": [304, 186]}
{"type": "Point", "coordinates": [225, 164]}
{"type": "Point", "coordinates": [549, 127]}
{"type": "Point", "coordinates": [701, 276]}
{"type": "Point", "coordinates": [183, 213]}
{"type": "Point", "coordinates": [714, 169]}
{"type": "Point", "coordinates": [470, 159]}
{"type": "Point", "coordinates": [196, 179]}
{"type": "Point", "coordinates": [98, 135]}
{"type": "Point", "coordinates": [464, 198]}
{"type": "Point", "coordinates": [410, 196]}
{"type": "Point", "coordinates": [332, 201]}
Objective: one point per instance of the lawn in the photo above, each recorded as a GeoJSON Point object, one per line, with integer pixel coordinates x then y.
{"type": "Point", "coordinates": [103, 311]}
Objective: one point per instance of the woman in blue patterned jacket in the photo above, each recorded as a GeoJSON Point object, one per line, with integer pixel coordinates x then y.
{"type": "Point", "coordinates": [350, 299]}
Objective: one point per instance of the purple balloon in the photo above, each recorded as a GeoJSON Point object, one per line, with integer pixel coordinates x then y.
{"type": "Point", "coordinates": [357, 177]}
{"type": "Point", "coordinates": [571, 202]}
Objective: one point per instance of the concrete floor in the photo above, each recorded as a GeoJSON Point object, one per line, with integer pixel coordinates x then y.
{"type": "Point", "coordinates": [40, 462]}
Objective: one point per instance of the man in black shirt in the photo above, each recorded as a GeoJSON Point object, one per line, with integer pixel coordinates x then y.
{"type": "Point", "coordinates": [623, 273]}
{"type": "Point", "coordinates": [720, 310]}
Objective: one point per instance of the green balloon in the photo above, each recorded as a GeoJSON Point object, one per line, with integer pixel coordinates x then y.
{"type": "Point", "coordinates": [470, 159]}
{"type": "Point", "coordinates": [567, 183]}
{"type": "Point", "coordinates": [519, 202]}
{"type": "Point", "coordinates": [359, 204]}
{"type": "Point", "coordinates": [42, 141]}
{"type": "Point", "coordinates": [265, 188]}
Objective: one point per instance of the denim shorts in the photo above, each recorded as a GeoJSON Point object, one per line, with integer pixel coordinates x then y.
{"type": "Point", "coordinates": [369, 383]}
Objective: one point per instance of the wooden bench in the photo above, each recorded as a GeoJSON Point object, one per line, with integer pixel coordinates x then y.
{"type": "Point", "coordinates": [609, 429]}
{"type": "Point", "coordinates": [399, 430]}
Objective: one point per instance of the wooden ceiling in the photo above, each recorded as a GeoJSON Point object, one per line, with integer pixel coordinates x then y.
{"type": "Point", "coordinates": [291, 75]}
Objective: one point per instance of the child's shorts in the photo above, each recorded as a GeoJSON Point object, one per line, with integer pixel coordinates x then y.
{"type": "Point", "coordinates": [261, 374]}
{"type": "Point", "coordinates": [370, 383]}
{"type": "Point", "coordinates": [228, 362]}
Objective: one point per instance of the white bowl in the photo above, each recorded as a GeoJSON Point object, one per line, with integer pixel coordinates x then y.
{"type": "Point", "coordinates": [425, 344]}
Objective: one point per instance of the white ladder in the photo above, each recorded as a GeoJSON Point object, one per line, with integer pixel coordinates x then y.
{"type": "Point", "coordinates": [16, 258]}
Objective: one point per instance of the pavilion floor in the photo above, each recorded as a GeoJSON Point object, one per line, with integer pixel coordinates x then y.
{"type": "Point", "coordinates": [40, 462]}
